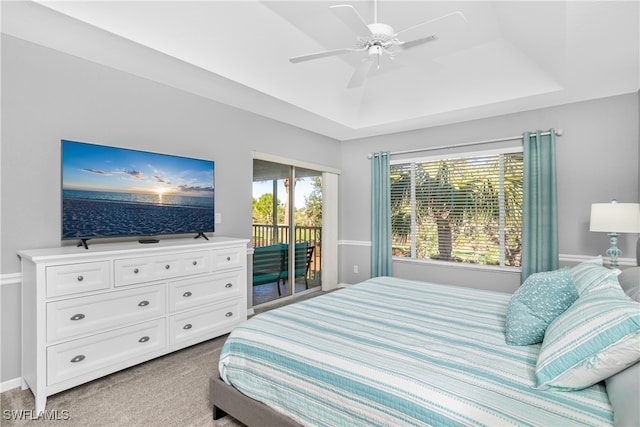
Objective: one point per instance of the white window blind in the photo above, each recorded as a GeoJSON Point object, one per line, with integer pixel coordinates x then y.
{"type": "Point", "coordinates": [465, 209]}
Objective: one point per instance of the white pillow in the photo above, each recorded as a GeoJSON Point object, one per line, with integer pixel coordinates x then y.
{"type": "Point", "coordinates": [598, 336]}
{"type": "Point", "coordinates": [592, 275]}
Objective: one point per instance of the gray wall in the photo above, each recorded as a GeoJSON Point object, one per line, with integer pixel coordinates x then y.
{"type": "Point", "coordinates": [597, 160]}
{"type": "Point", "coordinates": [47, 96]}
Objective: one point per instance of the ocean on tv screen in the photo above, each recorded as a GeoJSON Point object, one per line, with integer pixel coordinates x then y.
{"type": "Point", "coordinates": [89, 214]}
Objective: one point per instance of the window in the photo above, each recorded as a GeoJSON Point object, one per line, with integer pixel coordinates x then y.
{"type": "Point", "coordinates": [459, 209]}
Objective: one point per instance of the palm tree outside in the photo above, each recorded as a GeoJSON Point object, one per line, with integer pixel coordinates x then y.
{"type": "Point", "coordinates": [461, 210]}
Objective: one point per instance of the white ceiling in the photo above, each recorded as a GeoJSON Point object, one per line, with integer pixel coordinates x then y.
{"type": "Point", "coordinates": [509, 56]}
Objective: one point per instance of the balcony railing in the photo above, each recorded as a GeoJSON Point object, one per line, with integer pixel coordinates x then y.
{"type": "Point", "coordinates": [265, 235]}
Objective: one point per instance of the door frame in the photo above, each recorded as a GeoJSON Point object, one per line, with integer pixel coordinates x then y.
{"type": "Point", "coordinates": [330, 178]}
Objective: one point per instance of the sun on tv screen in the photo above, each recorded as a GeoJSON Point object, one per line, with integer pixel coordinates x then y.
{"type": "Point", "coordinates": [114, 192]}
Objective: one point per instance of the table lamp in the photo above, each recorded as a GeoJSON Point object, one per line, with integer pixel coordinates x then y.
{"type": "Point", "coordinates": [614, 218]}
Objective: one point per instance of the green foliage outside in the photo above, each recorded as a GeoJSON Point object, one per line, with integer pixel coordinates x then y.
{"type": "Point", "coordinates": [263, 210]}
{"type": "Point", "coordinates": [310, 215]}
{"type": "Point", "coordinates": [457, 210]}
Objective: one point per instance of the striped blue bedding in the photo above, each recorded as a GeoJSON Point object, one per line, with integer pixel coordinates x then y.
{"type": "Point", "coordinates": [389, 352]}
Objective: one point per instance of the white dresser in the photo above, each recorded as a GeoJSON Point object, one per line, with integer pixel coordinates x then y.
{"type": "Point", "coordinates": [89, 312]}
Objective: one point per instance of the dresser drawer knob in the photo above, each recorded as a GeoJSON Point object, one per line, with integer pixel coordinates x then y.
{"type": "Point", "coordinates": [143, 303]}
{"type": "Point", "coordinates": [80, 278]}
{"type": "Point", "coordinates": [187, 294]}
{"type": "Point", "coordinates": [228, 258]}
{"type": "Point", "coordinates": [78, 316]}
{"type": "Point", "coordinates": [229, 314]}
{"type": "Point", "coordinates": [229, 285]}
{"type": "Point", "coordinates": [136, 271]}
{"type": "Point", "coordinates": [166, 267]}
{"type": "Point", "coordinates": [144, 339]}
{"type": "Point", "coordinates": [78, 358]}
{"type": "Point", "coordinates": [187, 326]}
{"type": "Point", "coordinates": [195, 262]}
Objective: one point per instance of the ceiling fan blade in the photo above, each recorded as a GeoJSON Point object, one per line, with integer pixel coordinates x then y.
{"type": "Point", "coordinates": [416, 32]}
{"type": "Point", "coordinates": [417, 42]}
{"type": "Point", "coordinates": [361, 73]}
{"type": "Point", "coordinates": [350, 16]}
{"type": "Point", "coordinates": [324, 54]}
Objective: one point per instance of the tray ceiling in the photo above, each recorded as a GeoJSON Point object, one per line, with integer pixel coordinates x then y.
{"type": "Point", "coordinates": [509, 56]}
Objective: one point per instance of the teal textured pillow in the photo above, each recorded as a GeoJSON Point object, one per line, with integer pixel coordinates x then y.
{"type": "Point", "coordinates": [598, 336]}
{"type": "Point", "coordinates": [541, 298]}
{"type": "Point", "coordinates": [591, 275]}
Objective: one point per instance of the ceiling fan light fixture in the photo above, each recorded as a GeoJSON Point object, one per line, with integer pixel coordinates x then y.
{"type": "Point", "coordinates": [377, 39]}
{"type": "Point", "coordinates": [375, 50]}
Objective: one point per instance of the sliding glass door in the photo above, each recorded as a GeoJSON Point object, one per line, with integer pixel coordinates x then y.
{"type": "Point", "coordinates": [287, 207]}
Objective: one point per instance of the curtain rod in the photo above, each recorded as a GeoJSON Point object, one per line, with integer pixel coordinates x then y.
{"type": "Point", "coordinates": [466, 144]}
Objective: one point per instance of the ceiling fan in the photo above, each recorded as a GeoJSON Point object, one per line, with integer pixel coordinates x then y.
{"type": "Point", "coordinates": [377, 39]}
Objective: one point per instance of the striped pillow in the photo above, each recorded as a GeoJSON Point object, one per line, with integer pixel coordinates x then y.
{"type": "Point", "coordinates": [598, 336]}
{"type": "Point", "coordinates": [591, 275]}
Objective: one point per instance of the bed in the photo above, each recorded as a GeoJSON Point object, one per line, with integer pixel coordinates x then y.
{"type": "Point", "coordinates": [390, 351]}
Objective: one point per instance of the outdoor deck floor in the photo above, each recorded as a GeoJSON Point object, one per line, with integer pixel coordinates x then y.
{"type": "Point", "coordinates": [269, 292]}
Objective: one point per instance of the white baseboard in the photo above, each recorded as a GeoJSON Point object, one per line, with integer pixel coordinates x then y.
{"type": "Point", "coordinates": [6, 280]}
{"type": "Point", "coordinates": [10, 385]}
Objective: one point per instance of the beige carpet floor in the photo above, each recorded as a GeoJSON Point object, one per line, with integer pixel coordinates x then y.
{"type": "Point", "coordinates": [172, 390]}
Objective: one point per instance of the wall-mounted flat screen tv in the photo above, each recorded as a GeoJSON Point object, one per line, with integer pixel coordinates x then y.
{"type": "Point", "coordinates": [115, 192]}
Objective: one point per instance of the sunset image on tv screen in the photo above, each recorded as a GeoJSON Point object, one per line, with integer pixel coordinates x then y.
{"type": "Point", "coordinates": [110, 191]}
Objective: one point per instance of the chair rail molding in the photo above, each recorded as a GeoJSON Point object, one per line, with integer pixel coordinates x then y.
{"type": "Point", "coordinates": [565, 258]}
{"type": "Point", "coordinates": [10, 279]}
{"type": "Point", "coordinates": [354, 243]}
{"type": "Point", "coordinates": [576, 259]}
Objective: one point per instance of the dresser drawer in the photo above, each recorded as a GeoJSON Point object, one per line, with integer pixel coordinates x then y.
{"type": "Point", "coordinates": [77, 278]}
{"type": "Point", "coordinates": [97, 313]}
{"type": "Point", "coordinates": [229, 257]}
{"type": "Point", "coordinates": [80, 357]}
{"type": "Point", "coordinates": [198, 291]}
{"type": "Point", "coordinates": [211, 320]}
{"type": "Point", "coordinates": [145, 269]}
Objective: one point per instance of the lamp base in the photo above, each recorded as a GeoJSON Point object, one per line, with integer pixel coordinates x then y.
{"type": "Point", "coordinates": [613, 252]}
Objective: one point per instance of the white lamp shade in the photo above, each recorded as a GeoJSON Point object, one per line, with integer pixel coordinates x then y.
{"type": "Point", "coordinates": [615, 217]}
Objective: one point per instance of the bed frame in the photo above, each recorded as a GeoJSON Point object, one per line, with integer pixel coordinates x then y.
{"type": "Point", "coordinates": [227, 400]}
